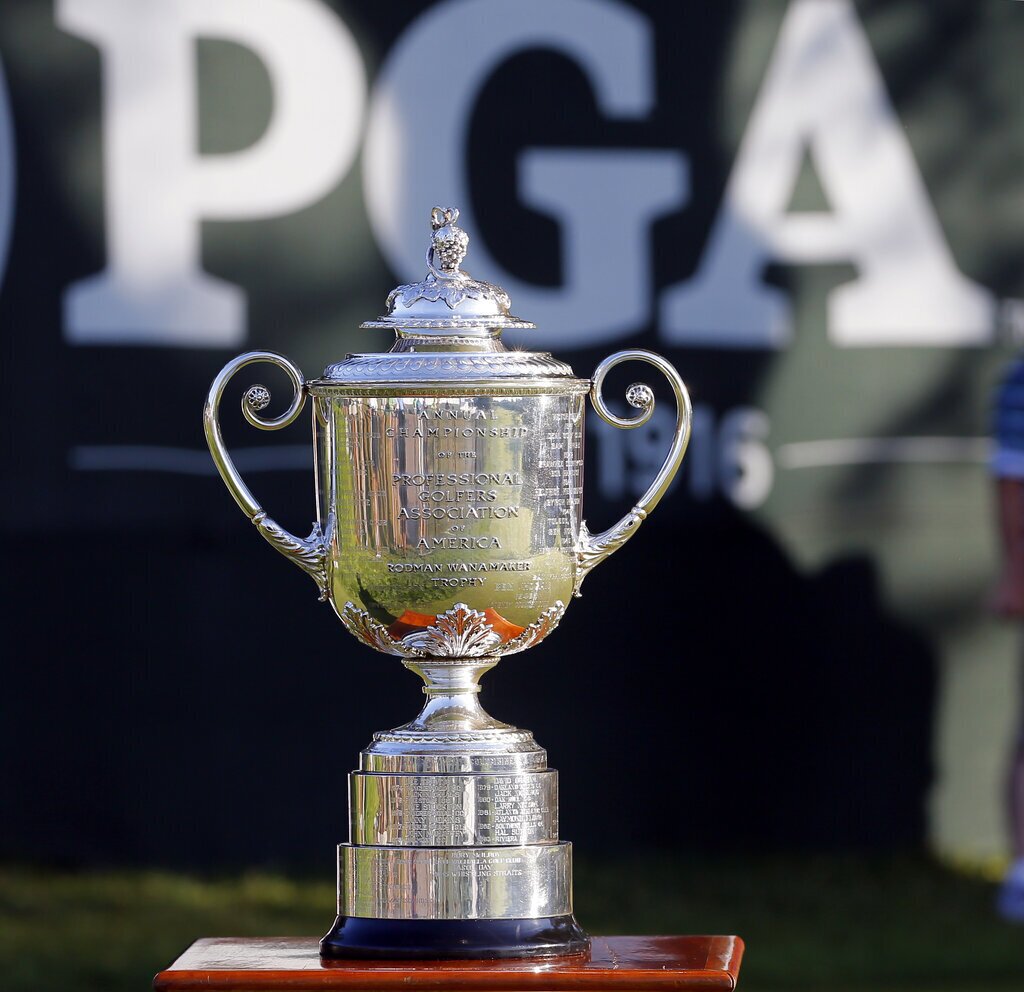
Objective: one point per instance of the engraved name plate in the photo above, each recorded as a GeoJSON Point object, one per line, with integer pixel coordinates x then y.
{"type": "Point", "coordinates": [454, 810]}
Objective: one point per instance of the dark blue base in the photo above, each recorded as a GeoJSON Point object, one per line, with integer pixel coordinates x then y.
{"type": "Point", "coordinates": [357, 937]}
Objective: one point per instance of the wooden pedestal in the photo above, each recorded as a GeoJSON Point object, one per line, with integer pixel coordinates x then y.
{"type": "Point", "coordinates": [615, 964]}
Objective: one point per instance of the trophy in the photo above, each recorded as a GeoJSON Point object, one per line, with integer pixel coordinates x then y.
{"type": "Point", "coordinates": [449, 533]}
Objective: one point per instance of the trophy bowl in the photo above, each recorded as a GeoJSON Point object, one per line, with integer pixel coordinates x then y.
{"type": "Point", "coordinates": [449, 486]}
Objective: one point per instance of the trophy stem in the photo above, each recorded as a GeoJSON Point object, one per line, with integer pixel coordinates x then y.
{"type": "Point", "coordinates": [452, 687]}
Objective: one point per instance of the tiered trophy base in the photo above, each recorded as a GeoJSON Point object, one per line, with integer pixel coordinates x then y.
{"type": "Point", "coordinates": [454, 849]}
{"type": "Point", "coordinates": [360, 938]}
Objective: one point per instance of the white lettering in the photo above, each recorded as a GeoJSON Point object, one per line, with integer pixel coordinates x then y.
{"type": "Point", "coordinates": [823, 93]}
{"type": "Point", "coordinates": [158, 188]}
{"type": "Point", "coordinates": [728, 456]}
{"type": "Point", "coordinates": [605, 250]}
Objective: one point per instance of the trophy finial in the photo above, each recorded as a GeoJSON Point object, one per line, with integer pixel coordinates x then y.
{"type": "Point", "coordinates": [640, 396]}
{"type": "Point", "coordinates": [449, 242]}
{"type": "Point", "coordinates": [449, 301]}
{"type": "Point", "coordinates": [257, 397]}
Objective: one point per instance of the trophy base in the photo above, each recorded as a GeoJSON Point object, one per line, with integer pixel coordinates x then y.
{"type": "Point", "coordinates": [366, 938]}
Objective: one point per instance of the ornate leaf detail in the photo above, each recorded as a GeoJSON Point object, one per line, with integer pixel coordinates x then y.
{"type": "Point", "coordinates": [594, 548]}
{"type": "Point", "coordinates": [309, 554]}
{"type": "Point", "coordinates": [537, 630]}
{"type": "Point", "coordinates": [461, 632]}
{"type": "Point", "coordinates": [373, 633]}
{"type": "Point", "coordinates": [452, 291]}
{"type": "Point", "coordinates": [458, 633]}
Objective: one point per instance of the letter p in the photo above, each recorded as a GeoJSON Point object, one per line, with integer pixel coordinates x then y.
{"type": "Point", "coordinates": [158, 188]}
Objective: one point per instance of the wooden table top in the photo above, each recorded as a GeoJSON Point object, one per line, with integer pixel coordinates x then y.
{"type": "Point", "coordinates": [625, 964]}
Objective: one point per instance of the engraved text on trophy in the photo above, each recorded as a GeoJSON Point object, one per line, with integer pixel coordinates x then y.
{"type": "Point", "coordinates": [457, 499]}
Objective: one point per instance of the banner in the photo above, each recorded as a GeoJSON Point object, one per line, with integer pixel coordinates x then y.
{"type": "Point", "coordinates": [810, 207]}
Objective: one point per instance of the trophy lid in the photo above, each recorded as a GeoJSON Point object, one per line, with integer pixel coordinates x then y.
{"type": "Point", "coordinates": [447, 329]}
{"type": "Point", "coordinates": [448, 301]}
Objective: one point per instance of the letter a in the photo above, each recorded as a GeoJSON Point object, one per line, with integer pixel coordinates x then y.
{"type": "Point", "coordinates": [823, 94]}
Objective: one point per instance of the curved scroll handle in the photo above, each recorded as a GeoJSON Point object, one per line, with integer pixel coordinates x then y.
{"type": "Point", "coordinates": [310, 554]}
{"type": "Point", "coordinates": [594, 548]}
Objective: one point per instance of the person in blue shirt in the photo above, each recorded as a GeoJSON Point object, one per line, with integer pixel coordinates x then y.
{"type": "Point", "coordinates": [1008, 469]}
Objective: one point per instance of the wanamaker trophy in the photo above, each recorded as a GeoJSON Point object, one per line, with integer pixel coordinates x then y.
{"type": "Point", "coordinates": [449, 533]}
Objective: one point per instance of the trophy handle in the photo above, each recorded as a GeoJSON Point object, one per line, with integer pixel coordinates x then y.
{"type": "Point", "coordinates": [310, 553]}
{"type": "Point", "coordinates": [594, 548]}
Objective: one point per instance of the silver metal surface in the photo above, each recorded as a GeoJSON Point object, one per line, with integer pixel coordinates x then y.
{"type": "Point", "coordinates": [594, 548]}
{"type": "Point", "coordinates": [449, 472]}
{"type": "Point", "coordinates": [450, 532]}
{"type": "Point", "coordinates": [453, 734]}
{"type": "Point", "coordinates": [452, 755]}
{"type": "Point", "coordinates": [418, 368]}
{"type": "Point", "coordinates": [460, 632]}
{"type": "Point", "coordinates": [456, 517]}
{"type": "Point", "coordinates": [455, 883]}
{"type": "Point", "coordinates": [448, 299]}
{"type": "Point", "coordinates": [454, 810]}
{"type": "Point", "coordinates": [310, 553]}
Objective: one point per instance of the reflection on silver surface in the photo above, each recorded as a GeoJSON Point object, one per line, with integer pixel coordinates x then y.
{"type": "Point", "coordinates": [467, 883]}
{"type": "Point", "coordinates": [439, 501]}
{"type": "Point", "coordinates": [454, 810]}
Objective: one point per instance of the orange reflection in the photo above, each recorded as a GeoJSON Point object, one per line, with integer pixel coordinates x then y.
{"type": "Point", "coordinates": [410, 621]}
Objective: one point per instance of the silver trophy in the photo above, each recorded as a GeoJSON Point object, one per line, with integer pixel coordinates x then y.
{"type": "Point", "coordinates": [450, 533]}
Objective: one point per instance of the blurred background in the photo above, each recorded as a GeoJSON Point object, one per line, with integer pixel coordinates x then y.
{"type": "Point", "coordinates": [784, 711]}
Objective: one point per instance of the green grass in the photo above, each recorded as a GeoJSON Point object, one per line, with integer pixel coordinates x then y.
{"type": "Point", "coordinates": [830, 924]}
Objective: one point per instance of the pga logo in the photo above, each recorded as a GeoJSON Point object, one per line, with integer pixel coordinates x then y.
{"type": "Point", "coordinates": [822, 95]}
